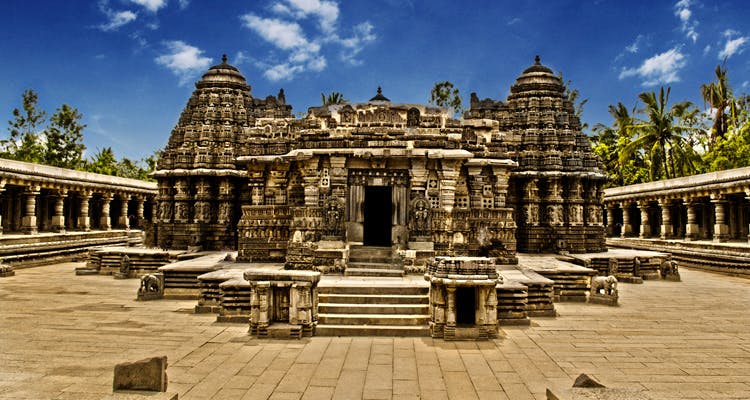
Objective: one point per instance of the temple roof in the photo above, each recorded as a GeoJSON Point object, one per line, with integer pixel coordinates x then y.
{"type": "Point", "coordinates": [223, 75]}
{"type": "Point", "coordinates": [379, 96]}
{"type": "Point", "coordinates": [538, 79]}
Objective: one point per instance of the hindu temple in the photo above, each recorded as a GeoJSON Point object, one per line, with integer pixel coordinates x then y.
{"type": "Point", "coordinates": [243, 173]}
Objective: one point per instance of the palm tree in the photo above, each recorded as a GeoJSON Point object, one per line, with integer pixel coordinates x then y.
{"type": "Point", "coordinates": [332, 98]}
{"type": "Point", "coordinates": [662, 138]}
{"type": "Point", "coordinates": [718, 95]}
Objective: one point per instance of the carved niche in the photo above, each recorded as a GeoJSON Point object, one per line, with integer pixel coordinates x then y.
{"type": "Point", "coordinates": [419, 216]}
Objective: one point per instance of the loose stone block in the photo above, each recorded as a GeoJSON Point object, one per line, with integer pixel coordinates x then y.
{"type": "Point", "coordinates": [147, 374]}
{"type": "Point", "coordinates": [6, 270]}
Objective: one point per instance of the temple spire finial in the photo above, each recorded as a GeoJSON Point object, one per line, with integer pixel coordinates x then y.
{"type": "Point", "coordinates": [223, 58]}
{"type": "Point", "coordinates": [380, 90]}
{"type": "Point", "coordinates": [537, 60]}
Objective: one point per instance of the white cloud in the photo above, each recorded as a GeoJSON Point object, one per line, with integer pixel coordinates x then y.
{"type": "Point", "coordinates": [733, 46]}
{"type": "Point", "coordinates": [363, 34]}
{"type": "Point", "coordinates": [635, 46]}
{"type": "Point", "coordinates": [660, 69]}
{"type": "Point", "coordinates": [118, 19]}
{"type": "Point", "coordinates": [183, 60]}
{"type": "Point", "coordinates": [301, 43]}
{"type": "Point", "coordinates": [282, 34]}
{"type": "Point", "coordinates": [282, 71]}
{"type": "Point", "coordinates": [151, 5]}
{"type": "Point", "coordinates": [513, 21]}
{"type": "Point", "coordinates": [706, 49]}
{"type": "Point", "coordinates": [327, 12]}
{"type": "Point", "coordinates": [688, 24]}
{"type": "Point", "coordinates": [183, 4]}
{"type": "Point", "coordinates": [240, 58]}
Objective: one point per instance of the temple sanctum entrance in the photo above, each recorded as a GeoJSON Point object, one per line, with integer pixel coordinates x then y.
{"type": "Point", "coordinates": [377, 215]}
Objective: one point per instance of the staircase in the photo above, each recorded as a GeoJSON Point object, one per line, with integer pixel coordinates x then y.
{"type": "Point", "coordinates": [373, 261]}
{"type": "Point", "coordinates": [385, 307]}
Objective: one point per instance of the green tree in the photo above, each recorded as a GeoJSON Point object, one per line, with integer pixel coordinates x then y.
{"type": "Point", "coordinates": [24, 143]}
{"type": "Point", "coordinates": [332, 98]}
{"type": "Point", "coordinates": [103, 162]}
{"type": "Point", "coordinates": [444, 94]}
{"type": "Point", "coordinates": [64, 138]}
{"type": "Point", "coordinates": [718, 96]}
{"type": "Point", "coordinates": [662, 137]}
{"type": "Point", "coordinates": [608, 143]}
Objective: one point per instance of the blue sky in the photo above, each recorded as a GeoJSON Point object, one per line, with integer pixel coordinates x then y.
{"type": "Point", "coordinates": [129, 65]}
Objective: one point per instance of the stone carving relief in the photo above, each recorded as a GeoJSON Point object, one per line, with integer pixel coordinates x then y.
{"type": "Point", "coordinates": [165, 211]}
{"type": "Point", "coordinates": [419, 216]}
{"type": "Point", "coordinates": [531, 212]}
{"type": "Point", "coordinates": [202, 211]}
{"type": "Point", "coordinates": [180, 211]}
{"type": "Point", "coordinates": [554, 214]}
{"type": "Point", "coordinates": [334, 216]}
{"type": "Point", "coordinates": [225, 212]}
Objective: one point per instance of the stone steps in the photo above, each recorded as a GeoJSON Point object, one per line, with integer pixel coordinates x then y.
{"type": "Point", "coordinates": [372, 298]}
{"type": "Point", "coordinates": [379, 309]}
{"type": "Point", "coordinates": [374, 272]}
{"type": "Point", "coordinates": [372, 330]}
{"type": "Point", "coordinates": [385, 307]}
{"type": "Point", "coordinates": [373, 261]}
{"type": "Point", "coordinates": [373, 319]}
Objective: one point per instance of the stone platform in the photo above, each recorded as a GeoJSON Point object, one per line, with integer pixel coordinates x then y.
{"type": "Point", "coordinates": [725, 257]}
{"type": "Point", "coordinates": [22, 250]}
{"type": "Point", "coordinates": [571, 282]}
{"type": "Point", "coordinates": [671, 341]}
{"type": "Point", "coordinates": [627, 271]}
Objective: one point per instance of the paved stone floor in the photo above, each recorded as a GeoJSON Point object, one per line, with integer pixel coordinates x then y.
{"type": "Point", "coordinates": [61, 335]}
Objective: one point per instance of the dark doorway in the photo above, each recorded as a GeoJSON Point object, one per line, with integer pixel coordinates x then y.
{"type": "Point", "coordinates": [465, 305]}
{"type": "Point", "coordinates": [377, 224]}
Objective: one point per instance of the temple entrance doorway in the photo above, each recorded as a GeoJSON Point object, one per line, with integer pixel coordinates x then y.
{"type": "Point", "coordinates": [465, 305]}
{"type": "Point", "coordinates": [377, 215]}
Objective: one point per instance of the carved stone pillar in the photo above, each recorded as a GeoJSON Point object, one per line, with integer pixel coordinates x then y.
{"type": "Point", "coordinates": [311, 180]}
{"type": "Point", "coordinates": [721, 229]}
{"type": "Point", "coordinates": [141, 200]}
{"type": "Point", "coordinates": [124, 221]}
{"type": "Point", "coordinates": [58, 220]}
{"type": "Point", "coordinates": [476, 183]}
{"type": "Point", "coordinates": [448, 179]}
{"type": "Point", "coordinates": [692, 231]}
{"type": "Point", "coordinates": [2, 189]}
{"type": "Point", "coordinates": [611, 219]}
{"type": "Point", "coordinates": [666, 219]}
{"type": "Point", "coordinates": [28, 223]}
{"type": "Point", "coordinates": [450, 318]}
{"type": "Point", "coordinates": [627, 229]}
{"type": "Point", "coordinates": [645, 229]}
{"type": "Point", "coordinates": [105, 222]}
{"type": "Point", "coordinates": [500, 187]}
{"type": "Point", "coordinates": [84, 222]}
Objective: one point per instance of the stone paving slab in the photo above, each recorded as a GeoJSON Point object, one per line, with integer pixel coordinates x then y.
{"type": "Point", "coordinates": [61, 335]}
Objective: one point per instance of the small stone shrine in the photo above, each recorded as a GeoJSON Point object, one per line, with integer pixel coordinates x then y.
{"type": "Point", "coordinates": [283, 303]}
{"type": "Point", "coordinates": [463, 299]}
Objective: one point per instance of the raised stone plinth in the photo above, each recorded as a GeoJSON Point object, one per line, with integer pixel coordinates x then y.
{"type": "Point", "coordinates": [571, 282]}
{"type": "Point", "coordinates": [181, 277]}
{"type": "Point", "coordinates": [210, 291]}
{"type": "Point", "coordinates": [540, 290]}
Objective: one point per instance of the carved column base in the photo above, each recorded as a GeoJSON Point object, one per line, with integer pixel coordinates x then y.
{"type": "Point", "coordinates": [29, 226]}
{"type": "Point", "coordinates": [721, 232]}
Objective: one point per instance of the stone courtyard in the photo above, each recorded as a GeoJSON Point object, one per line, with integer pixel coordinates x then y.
{"type": "Point", "coordinates": [61, 335]}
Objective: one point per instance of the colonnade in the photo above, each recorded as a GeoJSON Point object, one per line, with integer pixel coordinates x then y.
{"type": "Point", "coordinates": [714, 206]}
{"type": "Point", "coordinates": [37, 198]}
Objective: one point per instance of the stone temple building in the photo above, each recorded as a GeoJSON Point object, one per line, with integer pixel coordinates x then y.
{"type": "Point", "coordinates": [243, 173]}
